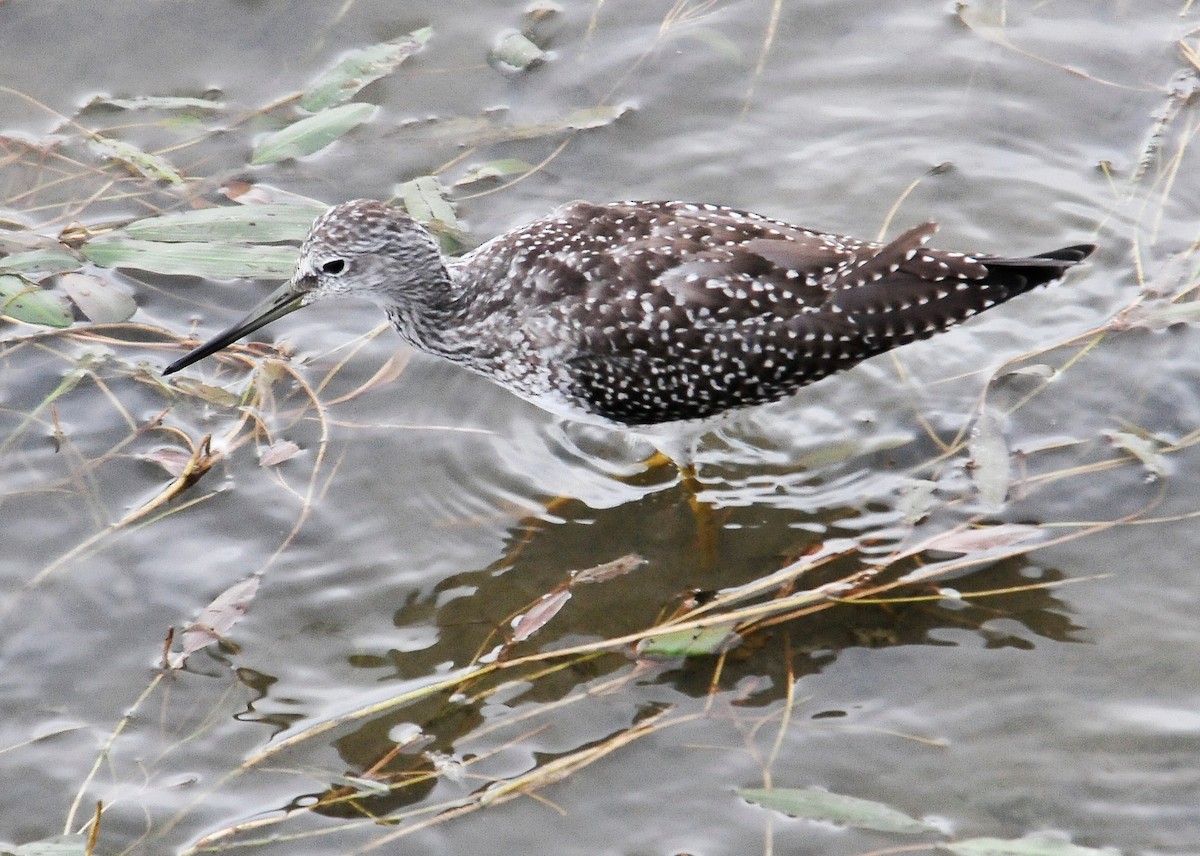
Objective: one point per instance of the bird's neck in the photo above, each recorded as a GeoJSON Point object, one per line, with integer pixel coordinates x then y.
{"type": "Point", "coordinates": [431, 317]}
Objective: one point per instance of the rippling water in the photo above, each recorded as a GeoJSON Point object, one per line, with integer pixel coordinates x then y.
{"type": "Point", "coordinates": [441, 506]}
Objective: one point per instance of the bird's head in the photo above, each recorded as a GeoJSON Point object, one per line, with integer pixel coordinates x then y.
{"type": "Point", "coordinates": [364, 248]}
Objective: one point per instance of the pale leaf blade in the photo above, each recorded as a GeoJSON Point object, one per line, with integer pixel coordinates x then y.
{"type": "Point", "coordinates": [312, 133]}
{"type": "Point", "coordinates": [514, 51]}
{"type": "Point", "coordinates": [278, 452]}
{"type": "Point", "coordinates": [58, 845]}
{"type": "Point", "coordinates": [985, 538]}
{"type": "Point", "coordinates": [217, 260]}
{"type": "Point", "coordinates": [99, 300]}
{"type": "Point", "coordinates": [143, 163]}
{"type": "Point", "coordinates": [159, 102]}
{"type": "Point", "coordinates": [818, 804]}
{"type": "Point", "coordinates": [361, 68]}
{"type": "Point", "coordinates": [238, 223]}
{"type": "Point", "coordinates": [1143, 449]}
{"type": "Point", "coordinates": [990, 469]}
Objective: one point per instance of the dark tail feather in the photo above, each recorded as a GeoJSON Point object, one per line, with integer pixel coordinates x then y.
{"type": "Point", "coordinates": [1060, 259]}
{"type": "Point", "coordinates": [1071, 255]}
{"type": "Point", "coordinates": [1017, 276]}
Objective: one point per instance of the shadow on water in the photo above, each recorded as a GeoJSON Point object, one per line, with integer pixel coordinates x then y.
{"type": "Point", "coordinates": [757, 674]}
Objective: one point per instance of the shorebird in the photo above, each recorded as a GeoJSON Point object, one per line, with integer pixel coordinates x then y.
{"type": "Point", "coordinates": [653, 317]}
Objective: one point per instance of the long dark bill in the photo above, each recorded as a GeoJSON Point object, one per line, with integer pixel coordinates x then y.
{"type": "Point", "coordinates": [283, 301]}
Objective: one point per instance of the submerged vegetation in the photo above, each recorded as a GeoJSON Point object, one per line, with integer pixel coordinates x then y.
{"type": "Point", "coordinates": [77, 266]}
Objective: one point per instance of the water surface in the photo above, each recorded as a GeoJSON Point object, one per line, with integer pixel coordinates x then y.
{"type": "Point", "coordinates": [422, 513]}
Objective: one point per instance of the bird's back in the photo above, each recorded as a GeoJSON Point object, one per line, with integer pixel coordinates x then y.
{"type": "Point", "coordinates": [640, 313]}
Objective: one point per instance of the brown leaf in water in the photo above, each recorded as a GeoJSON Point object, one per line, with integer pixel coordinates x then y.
{"type": "Point", "coordinates": [170, 458]}
{"type": "Point", "coordinates": [609, 570]}
{"type": "Point", "coordinates": [540, 614]}
{"type": "Point", "coordinates": [216, 620]}
{"type": "Point", "coordinates": [277, 453]}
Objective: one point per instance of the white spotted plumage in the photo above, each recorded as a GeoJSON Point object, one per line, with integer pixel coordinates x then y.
{"type": "Point", "coordinates": [641, 313]}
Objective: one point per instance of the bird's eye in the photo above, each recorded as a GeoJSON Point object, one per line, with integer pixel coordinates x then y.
{"type": "Point", "coordinates": [333, 266]}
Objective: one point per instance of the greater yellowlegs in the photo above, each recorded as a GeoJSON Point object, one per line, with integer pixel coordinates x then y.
{"type": "Point", "coordinates": [651, 316]}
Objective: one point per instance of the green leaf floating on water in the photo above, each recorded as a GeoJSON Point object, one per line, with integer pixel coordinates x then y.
{"type": "Point", "coordinates": [689, 643]}
{"type": "Point", "coordinates": [26, 301]}
{"type": "Point", "coordinates": [143, 163]}
{"type": "Point", "coordinates": [46, 261]}
{"type": "Point", "coordinates": [311, 134]}
{"type": "Point", "coordinates": [219, 260]}
{"type": "Point", "coordinates": [361, 68]}
{"type": "Point", "coordinates": [252, 224]}
{"type": "Point", "coordinates": [227, 243]}
{"type": "Point", "coordinates": [59, 845]}
{"type": "Point", "coordinates": [818, 804]}
{"type": "Point", "coordinates": [1032, 846]}
{"type": "Point", "coordinates": [427, 201]}
{"type": "Point", "coordinates": [487, 130]}
{"type": "Point", "coordinates": [514, 51]}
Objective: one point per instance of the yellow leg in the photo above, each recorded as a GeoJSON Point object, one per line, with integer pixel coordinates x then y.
{"type": "Point", "coordinates": [659, 460]}
{"type": "Point", "coordinates": [707, 524]}
{"type": "Point", "coordinates": [702, 513]}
